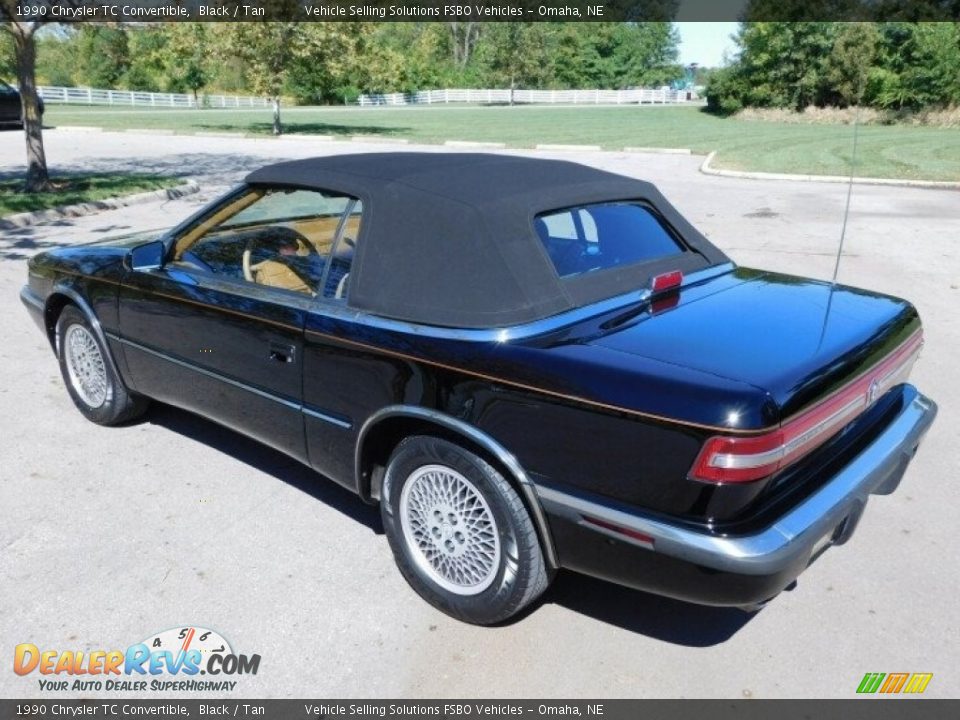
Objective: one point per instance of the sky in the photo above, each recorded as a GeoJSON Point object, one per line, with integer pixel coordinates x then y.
{"type": "Point", "coordinates": [705, 42]}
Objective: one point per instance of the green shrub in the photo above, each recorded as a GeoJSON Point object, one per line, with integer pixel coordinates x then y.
{"type": "Point", "coordinates": [725, 91]}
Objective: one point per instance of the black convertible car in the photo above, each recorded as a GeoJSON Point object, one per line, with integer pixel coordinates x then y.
{"type": "Point", "coordinates": [11, 111]}
{"type": "Point", "coordinates": [528, 364]}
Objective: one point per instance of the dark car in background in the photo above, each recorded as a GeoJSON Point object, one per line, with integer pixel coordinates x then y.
{"type": "Point", "coordinates": [11, 108]}
{"type": "Point", "coordinates": [528, 364]}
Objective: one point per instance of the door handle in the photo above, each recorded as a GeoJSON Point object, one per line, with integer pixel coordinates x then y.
{"type": "Point", "coordinates": [279, 352]}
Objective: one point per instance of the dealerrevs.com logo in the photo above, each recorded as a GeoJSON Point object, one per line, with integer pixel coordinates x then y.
{"type": "Point", "coordinates": [173, 660]}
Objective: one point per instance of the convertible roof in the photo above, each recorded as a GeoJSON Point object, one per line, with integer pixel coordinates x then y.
{"type": "Point", "coordinates": [448, 238]}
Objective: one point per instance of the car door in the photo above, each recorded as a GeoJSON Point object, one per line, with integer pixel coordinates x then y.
{"type": "Point", "coordinates": [218, 329]}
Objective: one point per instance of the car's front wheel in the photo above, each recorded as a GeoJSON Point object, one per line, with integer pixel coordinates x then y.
{"type": "Point", "coordinates": [459, 532]}
{"type": "Point", "coordinates": [91, 381]}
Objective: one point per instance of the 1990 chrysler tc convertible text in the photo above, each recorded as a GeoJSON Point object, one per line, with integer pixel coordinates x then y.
{"type": "Point", "coordinates": [528, 364]}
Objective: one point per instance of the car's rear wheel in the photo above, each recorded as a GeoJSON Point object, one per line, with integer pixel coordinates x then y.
{"type": "Point", "coordinates": [459, 532]}
{"type": "Point", "coordinates": [91, 381]}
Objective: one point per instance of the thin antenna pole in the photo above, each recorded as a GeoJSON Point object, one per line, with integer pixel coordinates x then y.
{"type": "Point", "coordinates": [846, 210]}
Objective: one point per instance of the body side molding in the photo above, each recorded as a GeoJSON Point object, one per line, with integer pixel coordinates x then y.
{"type": "Point", "coordinates": [286, 402]}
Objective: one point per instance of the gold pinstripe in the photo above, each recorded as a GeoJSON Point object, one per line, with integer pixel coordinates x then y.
{"type": "Point", "coordinates": [493, 378]}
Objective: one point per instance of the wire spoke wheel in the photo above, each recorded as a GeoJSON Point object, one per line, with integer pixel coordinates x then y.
{"type": "Point", "coordinates": [449, 530]}
{"type": "Point", "coordinates": [85, 366]}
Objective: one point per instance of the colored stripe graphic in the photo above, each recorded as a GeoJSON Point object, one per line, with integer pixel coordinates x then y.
{"type": "Point", "coordinates": [893, 683]}
{"type": "Point", "coordinates": [870, 682]}
{"type": "Point", "coordinates": [918, 683]}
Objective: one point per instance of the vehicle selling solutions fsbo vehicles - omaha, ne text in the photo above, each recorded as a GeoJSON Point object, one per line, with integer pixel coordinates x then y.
{"type": "Point", "coordinates": [529, 364]}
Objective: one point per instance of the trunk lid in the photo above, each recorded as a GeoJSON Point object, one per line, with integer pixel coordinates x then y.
{"type": "Point", "coordinates": [799, 340]}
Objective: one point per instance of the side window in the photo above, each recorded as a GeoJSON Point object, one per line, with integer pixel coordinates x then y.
{"type": "Point", "coordinates": [337, 283]}
{"type": "Point", "coordinates": [278, 237]}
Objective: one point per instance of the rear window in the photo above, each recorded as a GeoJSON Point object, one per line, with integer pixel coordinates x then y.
{"type": "Point", "coordinates": [588, 238]}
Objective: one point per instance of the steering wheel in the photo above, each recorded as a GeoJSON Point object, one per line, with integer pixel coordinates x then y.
{"type": "Point", "coordinates": [282, 242]}
{"type": "Point", "coordinates": [341, 291]}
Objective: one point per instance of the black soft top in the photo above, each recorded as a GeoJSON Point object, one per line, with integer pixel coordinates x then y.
{"type": "Point", "coordinates": [448, 238]}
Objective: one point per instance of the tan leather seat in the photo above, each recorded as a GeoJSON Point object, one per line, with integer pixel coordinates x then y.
{"type": "Point", "coordinates": [277, 274]}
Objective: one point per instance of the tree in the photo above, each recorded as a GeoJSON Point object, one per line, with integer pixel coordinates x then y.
{"type": "Point", "coordinates": [612, 55]}
{"type": "Point", "coordinates": [104, 55]}
{"type": "Point", "coordinates": [328, 60]}
{"type": "Point", "coordinates": [780, 64]}
{"type": "Point", "coordinates": [8, 60]}
{"type": "Point", "coordinates": [848, 64]}
{"type": "Point", "coordinates": [150, 58]}
{"type": "Point", "coordinates": [647, 53]}
{"type": "Point", "coordinates": [517, 54]}
{"type": "Point", "coordinates": [25, 51]}
{"type": "Point", "coordinates": [186, 57]}
{"type": "Point", "coordinates": [57, 55]}
{"type": "Point", "coordinates": [463, 36]}
{"type": "Point", "coordinates": [269, 49]}
{"type": "Point", "coordinates": [891, 65]}
{"type": "Point", "coordinates": [930, 60]}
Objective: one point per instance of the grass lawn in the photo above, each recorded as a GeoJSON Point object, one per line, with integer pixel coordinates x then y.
{"type": "Point", "coordinates": [884, 151]}
{"type": "Point", "coordinates": [78, 189]}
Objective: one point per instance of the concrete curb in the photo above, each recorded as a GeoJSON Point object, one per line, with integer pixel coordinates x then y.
{"type": "Point", "coordinates": [706, 169]}
{"type": "Point", "coordinates": [149, 131]}
{"type": "Point", "coordinates": [295, 136]}
{"type": "Point", "coordinates": [659, 151]}
{"type": "Point", "coordinates": [218, 133]}
{"type": "Point", "coordinates": [20, 220]}
{"type": "Point", "coordinates": [378, 139]}
{"type": "Point", "coordinates": [572, 148]}
{"type": "Point", "coordinates": [474, 144]}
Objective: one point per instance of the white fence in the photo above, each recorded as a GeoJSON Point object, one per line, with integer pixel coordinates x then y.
{"type": "Point", "coordinates": [131, 98]}
{"type": "Point", "coordinates": [90, 96]}
{"type": "Point", "coordinates": [547, 97]}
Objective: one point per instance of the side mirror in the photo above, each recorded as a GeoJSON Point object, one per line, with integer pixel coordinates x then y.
{"type": "Point", "coordinates": [148, 256]}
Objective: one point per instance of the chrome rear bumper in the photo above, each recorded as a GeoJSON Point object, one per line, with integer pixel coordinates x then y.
{"type": "Point", "coordinates": [826, 517]}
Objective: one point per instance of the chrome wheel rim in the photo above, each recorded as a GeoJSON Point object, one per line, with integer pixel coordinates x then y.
{"type": "Point", "coordinates": [85, 366]}
{"type": "Point", "coordinates": [449, 530]}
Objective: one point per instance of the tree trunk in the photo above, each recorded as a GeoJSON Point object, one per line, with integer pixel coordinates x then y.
{"type": "Point", "coordinates": [513, 84]}
{"type": "Point", "coordinates": [469, 39]}
{"type": "Point", "coordinates": [37, 178]}
{"type": "Point", "coordinates": [277, 129]}
{"type": "Point", "coordinates": [463, 36]}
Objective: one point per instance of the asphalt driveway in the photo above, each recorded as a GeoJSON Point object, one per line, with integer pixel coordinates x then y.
{"type": "Point", "coordinates": [110, 535]}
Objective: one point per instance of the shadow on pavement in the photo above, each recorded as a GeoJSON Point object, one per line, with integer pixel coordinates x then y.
{"type": "Point", "coordinates": [210, 169]}
{"type": "Point", "coordinates": [292, 127]}
{"type": "Point", "coordinates": [660, 618]}
{"type": "Point", "coordinates": [21, 243]}
{"type": "Point", "coordinates": [266, 460]}
{"type": "Point", "coordinates": [224, 168]}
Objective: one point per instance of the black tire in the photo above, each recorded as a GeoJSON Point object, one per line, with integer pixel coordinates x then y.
{"type": "Point", "coordinates": [521, 573]}
{"type": "Point", "coordinates": [119, 404]}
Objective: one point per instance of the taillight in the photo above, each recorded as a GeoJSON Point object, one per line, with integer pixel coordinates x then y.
{"type": "Point", "coordinates": [726, 459]}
